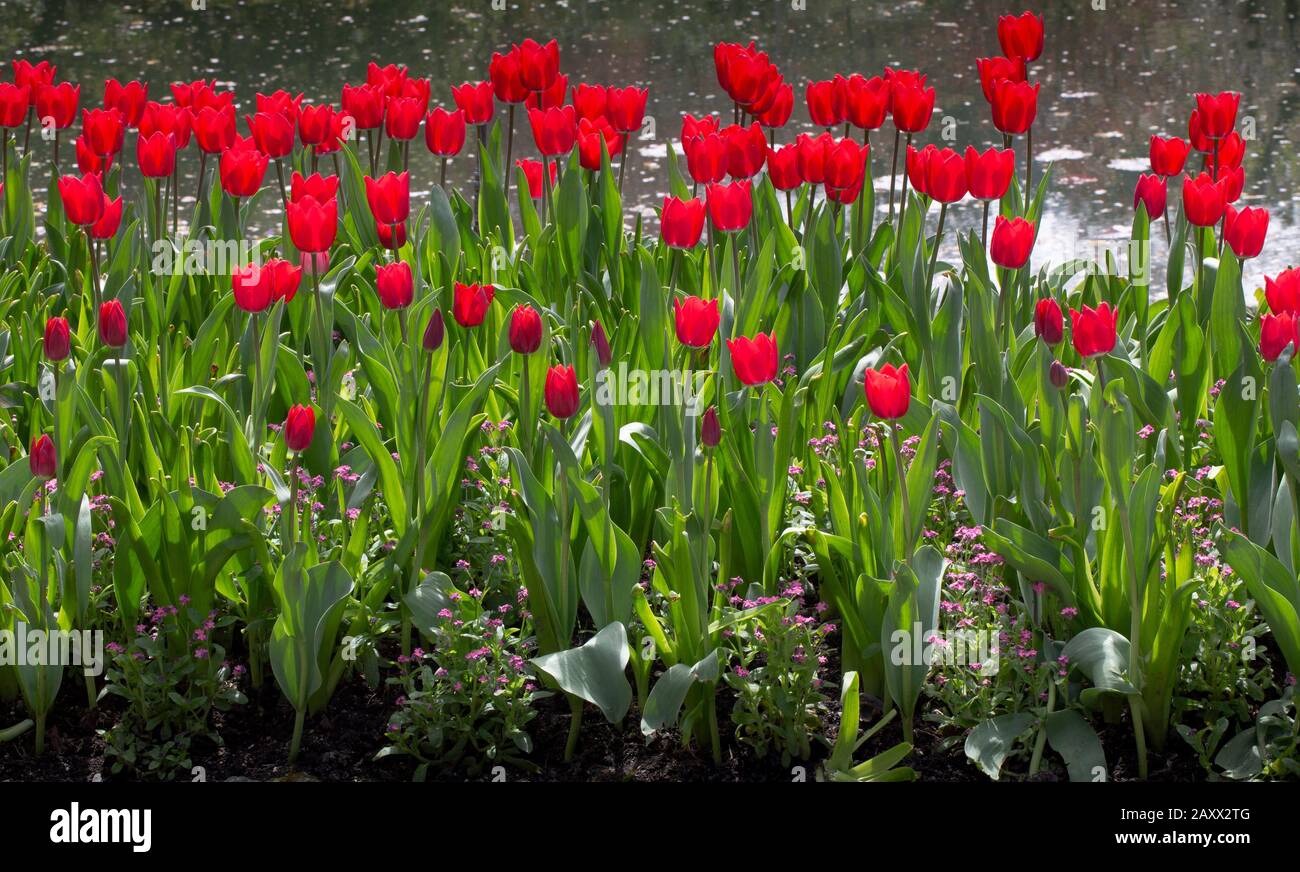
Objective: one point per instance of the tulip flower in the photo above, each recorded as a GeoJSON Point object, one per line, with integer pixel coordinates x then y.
{"type": "Point", "coordinates": [128, 99]}
{"type": "Point", "coordinates": [58, 339]}
{"type": "Point", "coordinates": [299, 428]}
{"type": "Point", "coordinates": [315, 124]}
{"type": "Point", "coordinates": [1232, 151]}
{"type": "Point", "coordinates": [989, 174]}
{"type": "Point", "coordinates": [156, 154]}
{"type": "Point", "coordinates": [912, 107]}
{"type": "Point", "coordinates": [538, 64]}
{"type": "Point", "coordinates": [58, 103]}
{"type": "Point", "coordinates": [507, 77]}
{"type": "Point", "coordinates": [273, 133]}
{"type": "Point", "coordinates": [554, 130]}
{"type": "Point", "coordinates": [846, 163]}
{"type": "Point", "coordinates": [710, 430]}
{"type": "Point", "coordinates": [596, 139]}
{"type": "Point", "coordinates": [754, 360]}
{"type": "Point", "coordinates": [1283, 292]}
{"type": "Point", "coordinates": [625, 108]}
{"type": "Point", "coordinates": [109, 220]}
{"type": "Point", "coordinates": [1058, 375]}
{"type": "Point", "coordinates": [706, 159]}
{"type": "Point", "coordinates": [402, 118]}
{"type": "Point", "coordinates": [87, 161]}
{"type": "Point", "coordinates": [1218, 113]}
{"type": "Point", "coordinates": [693, 128]}
{"type": "Point", "coordinates": [284, 279]}
{"type": "Point", "coordinates": [730, 206]}
{"type": "Point", "coordinates": [474, 99]}
{"type": "Point", "coordinates": [1233, 181]}
{"type": "Point", "coordinates": [1093, 330]}
{"type": "Point", "coordinates": [470, 303]}
{"type": "Point", "coordinates": [992, 70]}
{"type": "Point", "coordinates": [696, 321]}
{"type": "Point", "coordinates": [779, 111]}
{"type": "Point", "coordinates": [103, 130]}
{"type": "Point", "coordinates": [112, 324]}
{"type": "Point", "coordinates": [741, 70]}
{"type": "Point", "coordinates": [1049, 324]}
{"type": "Point", "coordinates": [945, 176]}
{"type": "Point", "coordinates": [917, 165]}
{"type": "Point", "coordinates": [1196, 135]}
{"type": "Point", "coordinates": [561, 391]}
{"type": "Point", "coordinates": [323, 188]}
{"type": "Point", "coordinates": [888, 390]}
{"type": "Point", "coordinates": [167, 118]}
{"type": "Point", "coordinates": [283, 103]}
{"type": "Point", "coordinates": [525, 329]}
{"type": "Point", "coordinates": [1021, 36]}
{"type": "Point", "coordinates": [681, 222]}
{"type": "Point", "coordinates": [552, 97]}
{"type": "Point", "coordinates": [1012, 242]}
{"type": "Point", "coordinates": [1203, 200]}
{"type": "Point", "coordinates": [783, 167]}
{"type": "Point", "coordinates": [1276, 332]}
{"type": "Point", "coordinates": [434, 331]}
{"type": "Point", "coordinates": [389, 197]}
{"type": "Point", "coordinates": [15, 101]}
{"type": "Point", "coordinates": [1015, 104]}
{"type": "Point", "coordinates": [214, 129]}
{"type": "Point", "coordinates": [1244, 230]}
{"type": "Point", "coordinates": [29, 75]}
{"type": "Point", "coordinates": [391, 236]}
{"type": "Point", "coordinates": [83, 199]}
{"type": "Point", "coordinates": [866, 101]}
{"type": "Point", "coordinates": [1168, 155]}
{"type": "Point", "coordinates": [746, 150]}
{"type": "Point", "coordinates": [813, 151]}
{"type": "Point", "coordinates": [251, 285]}
{"type": "Point", "coordinates": [590, 101]}
{"type": "Point", "coordinates": [1152, 193]}
{"type": "Point", "coordinates": [826, 102]}
{"type": "Point", "coordinates": [394, 285]}
{"type": "Point", "coordinates": [242, 171]}
{"type": "Point", "coordinates": [388, 78]}
{"type": "Point", "coordinates": [365, 105]}
{"type": "Point", "coordinates": [533, 176]}
{"type": "Point", "coordinates": [444, 132]}
{"type": "Point", "coordinates": [312, 224]}
{"type": "Point", "coordinates": [41, 457]}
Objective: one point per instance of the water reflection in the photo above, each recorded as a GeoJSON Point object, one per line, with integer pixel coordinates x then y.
{"type": "Point", "coordinates": [1110, 77]}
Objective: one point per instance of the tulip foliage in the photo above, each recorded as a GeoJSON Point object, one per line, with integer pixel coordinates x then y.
{"type": "Point", "coordinates": [510, 405]}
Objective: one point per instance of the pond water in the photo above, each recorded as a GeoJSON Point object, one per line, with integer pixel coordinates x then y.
{"type": "Point", "coordinates": [1111, 77]}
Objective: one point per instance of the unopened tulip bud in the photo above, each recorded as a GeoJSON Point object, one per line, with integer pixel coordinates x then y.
{"type": "Point", "coordinates": [710, 431]}
{"type": "Point", "coordinates": [434, 332]}
{"type": "Point", "coordinates": [1059, 375]}
{"type": "Point", "coordinates": [600, 342]}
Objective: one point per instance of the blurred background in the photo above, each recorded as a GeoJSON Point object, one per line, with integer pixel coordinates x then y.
{"type": "Point", "coordinates": [1111, 77]}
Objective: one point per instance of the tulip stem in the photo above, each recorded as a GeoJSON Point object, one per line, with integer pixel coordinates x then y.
{"type": "Point", "coordinates": [510, 149]}
{"type": "Point", "coordinates": [902, 211]}
{"type": "Point", "coordinates": [198, 196]}
{"type": "Point", "coordinates": [257, 383]}
{"type": "Point", "coordinates": [735, 264]}
{"type": "Point", "coordinates": [896, 439]}
{"type": "Point", "coordinates": [1029, 166]}
{"type": "Point", "coordinates": [442, 177]}
{"type": "Point", "coordinates": [984, 233]}
{"type": "Point", "coordinates": [279, 173]}
{"type": "Point", "coordinates": [622, 166]}
{"type": "Point", "coordinates": [893, 174]}
{"type": "Point", "coordinates": [94, 269]}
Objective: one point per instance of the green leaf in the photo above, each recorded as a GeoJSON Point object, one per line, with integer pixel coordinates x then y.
{"type": "Point", "coordinates": [666, 698]}
{"type": "Point", "coordinates": [990, 743]}
{"type": "Point", "coordinates": [1076, 741]}
{"type": "Point", "coordinates": [594, 671]}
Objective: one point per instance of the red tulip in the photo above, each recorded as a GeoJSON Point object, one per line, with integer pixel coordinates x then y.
{"type": "Point", "coordinates": [15, 100]}
{"type": "Point", "coordinates": [83, 199]}
{"type": "Point", "coordinates": [813, 151]}
{"type": "Point", "coordinates": [538, 64]}
{"type": "Point", "coordinates": [251, 285]}
{"type": "Point", "coordinates": [846, 164]}
{"type": "Point", "coordinates": [595, 140]}
{"type": "Point", "coordinates": [242, 170]}
{"type": "Point", "coordinates": [1021, 36]}
{"type": "Point", "coordinates": [533, 175]}
{"type": "Point", "coordinates": [754, 360]}
{"type": "Point", "coordinates": [58, 339]}
{"type": "Point", "coordinates": [128, 99]}
{"type": "Point", "coordinates": [506, 77]}
{"type": "Point", "coordinates": [693, 128]}
{"type": "Point", "coordinates": [777, 113]}
{"type": "Point", "coordinates": [315, 124]}
{"type": "Point", "coordinates": [918, 164]}
{"type": "Point", "coordinates": [41, 458]}
{"type": "Point", "coordinates": [299, 428]}
{"type": "Point", "coordinates": [992, 70]}
{"type": "Point", "coordinates": [741, 70]}
{"type": "Point", "coordinates": [1232, 150]}
{"type": "Point", "coordinates": [1093, 330]}
{"type": "Point", "coordinates": [1012, 242]}
{"type": "Point", "coordinates": [1218, 113]}
{"type": "Point", "coordinates": [156, 154]}
{"type": "Point", "coordinates": [365, 104]}
{"type": "Point", "coordinates": [282, 103]}
{"type": "Point", "coordinates": [388, 78]}
{"type": "Point", "coordinates": [30, 76]}
{"type": "Point", "coordinates": [389, 197]}
{"type": "Point", "coordinates": [273, 133]}
{"type": "Point", "coordinates": [783, 167]}
{"type": "Point", "coordinates": [552, 97]}
{"type": "Point", "coordinates": [112, 324]}
{"type": "Point", "coordinates": [103, 130]}
{"type": "Point", "coordinates": [525, 330]}
{"type": "Point", "coordinates": [697, 321]}
{"type": "Point", "coordinates": [561, 391]}
{"type": "Point", "coordinates": [710, 430]}
{"type": "Point", "coordinates": [470, 303]}
{"type": "Point", "coordinates": [1196, 134]}
{"type": "Point", "coordinates": [312, 224]}
{"type": "Point", "coordinates": [826, 102]}
{"type": "Point", "coordinates": [1152, 192]}
{"type": "Point", "coordinates": [626, 108]}
{"type": "Point", "coordinates": [87, 161]}
{"type": "Point", "coordinates": [284, 279]}
{"type": "Point", "coordinates": [1283, 292]}
{"type": "Point", "coordinates": [989, 174]}
{"type": "Point", "coordinates": [912, 107]}
{"type": "Point", "coordinates": [167, 118]}
{"type": "Point", "coordinates": [554, 130]}
{"type": "Point", "coordinates": [681, 222]}
{"type": "Point", "coordinates": [1232, 180]}
{"type": "Point", "coordinates": [201, 95]}
{"type": "Point", "coordinates": [1015, 104]}
{"type": "Point", "coordinates": [1049, 325]}
{"type": "Point", "coordinates": [109, 221]}
{"type": "Point", "coordinates": [417, 90]}
{"type": "Point", "coordinates": [945, 176]}
{"type": "Point", "coordinates": [321, 187]}
{"type": "Point", "coordinates": [58, 103]}
{"type": "Point", "coordinates": [402, 118]}
{"type": "Point", "coordinates": [394, 285]}
{"type": "Point", "coordinates": [1168, 155]}
{"type": "Point", "coordinates": [771, 89]}
{"type": "Point", "coordinates": [888, 390]}
{"type": "Point", "coordinates": [475, 100]}
{"type": "Point", "coordinates": [600, 342]}
{"type": "Point", "coordinates": [214, 129]}
{"type": "Point", "coordinates": [866, 101]}
{"type": "Point", "coordinates": [1245, 230]}
{"type": "Point", "coordinates": [746, 150]}
{"type": "Point", "coordinates": [434, 331]}
{"type": "Point", "coordinates": [1276, 332]}
{"type": "Point", "coordinates": [730, 206]}
{"type": "Point", "coordinates": [1203, 200]}
{"type": "Point", "coordinates": [706, 158]}
{"type": "Point", "coordinates": [444, 132]}
{"type": "Point", "coordinates": [590, 101]}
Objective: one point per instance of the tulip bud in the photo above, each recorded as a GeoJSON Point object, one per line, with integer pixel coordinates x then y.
{"type": "Point", "coordinates": [1058, 374]}
{"type": "Point", "coordinates": [112, 324]}
{"type": "Point", "coordinates": [525, 330]}
{"type": "Point", "coordinates": [299, 427]}
{"type": "Point", "coordinates": [600, 342]}
{"type": "Point", "coordinates": [434, 332]}
{"type": "Point", "coordinates": [58, 340]}
{"type": "Point", "coordinates": [42, 457]}
{"type": "Point", "coordinates": [710, 430]}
